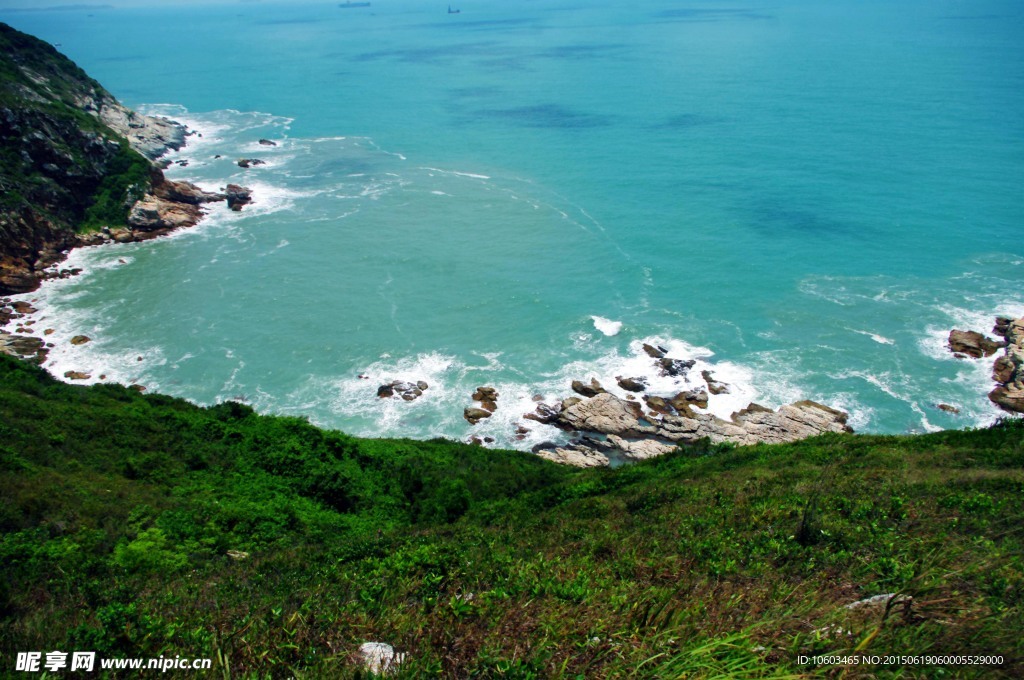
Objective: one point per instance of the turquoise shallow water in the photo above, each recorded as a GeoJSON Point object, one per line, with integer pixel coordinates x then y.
{"type": "Point", "coordinates": [805, 196]}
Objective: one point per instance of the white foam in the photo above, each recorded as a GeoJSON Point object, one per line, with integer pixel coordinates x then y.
{"type": "Point", "coordinates": [880, 339]}
{"type": "Point", "coordinates": [607, 326]}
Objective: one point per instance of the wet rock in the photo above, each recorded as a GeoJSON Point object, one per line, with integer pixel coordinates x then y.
{"type": "Point", "coordinates": [655, 352]}
{"type": "Point", "coordinates": [632, 384]}
{"type": "Point", "coordinates": [22, 307]}
{"type": "Point", "coordinates": [401, 389]}
{"type": "Point", "coordinates": [80, 339]}
{"type": "Point", "coordinates": [267, 142]}
{"type": "Point", "coordinates": [714, 387]}
{"type": "Point", "coordinates": [474, 415]}
{"type": "Point", "coordinates": [237, 196]}
{"type": "Point", "coordinates": [76, 375]}
{"type": "Point", "coordinates": [972, 343]}
{"type": "Point", "coordinates": [250, 162]}
{"type": "Point", "coordinates": [659, 405]}
{"type": "Point", "coordinates": [544, 414]}
{"type": "Point", "coordinates": [591, 390]}
{"type": "Point", "coordinates": [1008, 369]}
{"type": "Point", "coordinates": [948, 408]}
{"type": "Point", "coordinates": [488, 398]}
{"type": "Point", "coordinates": [675, 367]}
{"type": "Point", "coordinates": [695, 397]}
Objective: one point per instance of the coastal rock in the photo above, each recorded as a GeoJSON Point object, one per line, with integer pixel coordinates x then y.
{"type": "Point", "coordinates": [640, 449]}
{"type": "Point", "coordinates": [581, 457]}
{"type": "Point", "coordinates": [607, 414]}
{"type": "Point", "coordinates": [695, 397]}
{"type": "Point", "coordinates": [268, 142]}
{"type": "Point", "coordinates": [488, 398]}
{"type": "Point", "coordinates": [632, 384]}
{"type": "Point", "coordinates": [659, 405]}
{"type": "Point", "coordinates": [250, 162]}
{"type": "Point", "coordinates": [180, 192]}
{"type": "Point", "coordinates": [76, 375]}
{"type": "Point", "coordinates": [714, 387]}
{"type": "Point", "coordinates": [406, 391]}
{"type": "Point", "coordinates": [1008, 370]}
{"type": "Point", "coordinates": [675, 367]}
{"type": "Point", "coordinates": [948, 408]}
{"type": "Point", "coordinates": [591, 390]}
{"type": "Point", "coordinates": [154, 216]}
{"type": "Point", "coordinates": [474, 415]}
{"type": "Point", "coordinates": [543, 414]}
{"type": "Point", "coordinates": [80, 339]}
{"type": "Point", "coordinates": [237, 196]}
{"type": "Point", "coordinates": [655, 352]}
{"type": "Point", "coordinates": [972, 343]}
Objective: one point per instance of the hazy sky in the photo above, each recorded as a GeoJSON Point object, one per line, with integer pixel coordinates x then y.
{"type": "Point", "coordinates": [50, 5]}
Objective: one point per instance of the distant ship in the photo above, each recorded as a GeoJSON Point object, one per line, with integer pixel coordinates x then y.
{"type": "Point", "coordinates": [346, 5]}
{"type": "Point", "coordinates": [453, 11]}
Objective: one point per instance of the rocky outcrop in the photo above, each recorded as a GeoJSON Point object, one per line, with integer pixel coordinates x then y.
{"type": "Point", "coordinates": [1008, 369]}
{"type": "Point", "coordinates": [577, 456]}
{"type": "Point", "coordinates": [972, 344]}
{"type": "Point", "coordinates": [487, 397]}
{"type": "Point", "coordinates": [62, 171]}
{"type": "Point", "coordinates": [474, 415]}
{"type": "Point", "coordinates": [632, 384]}
{"type": "Point", "coordinates": [633, 435]}
{"type": "Point", "coordinates": [237, 196]}
{"type": "Point", "coordinates": [401, 389]}
{"type": "Point", "coordinates": [591, 390]}
{"type": "Point", "coordinates": [250, 162]}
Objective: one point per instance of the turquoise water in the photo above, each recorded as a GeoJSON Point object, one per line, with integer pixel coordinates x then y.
{"type": "Point", "coordinates": [806, 196]}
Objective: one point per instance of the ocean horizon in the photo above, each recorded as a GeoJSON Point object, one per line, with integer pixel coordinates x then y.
{"type": "Point", "coordinates": [804, 198]}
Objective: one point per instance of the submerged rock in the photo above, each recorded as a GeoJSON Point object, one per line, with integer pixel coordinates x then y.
{"type": "Point", "coordinates": [406, 391]}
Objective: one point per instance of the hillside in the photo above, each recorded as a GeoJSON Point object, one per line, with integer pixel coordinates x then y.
{"type": "Point", "coordinates": [141, 525]}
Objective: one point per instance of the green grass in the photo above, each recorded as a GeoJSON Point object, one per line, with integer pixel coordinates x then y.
{"type": "Point", "coordinates": [120, 509]}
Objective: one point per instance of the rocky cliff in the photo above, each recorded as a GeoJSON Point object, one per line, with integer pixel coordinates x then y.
{"type": "Point", "coordinates": [74, 161]}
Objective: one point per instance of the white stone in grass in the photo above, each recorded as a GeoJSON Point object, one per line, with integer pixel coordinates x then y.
{"type": "Point", "coordinates": [379, 658]}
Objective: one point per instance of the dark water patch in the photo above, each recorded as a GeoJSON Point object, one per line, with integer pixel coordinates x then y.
{"type": "Point", "coordinates": [786, 219]}
{"type": "Point", "coordinates": [694, 14]}
{"type": "Point", "coordinates": [547, 116]}
{"type": "Point", "coordinates": [430, 54]}
{"type": "Point", "coordinates": [686, 121]}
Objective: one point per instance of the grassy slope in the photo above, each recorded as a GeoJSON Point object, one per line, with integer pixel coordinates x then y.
{"type": "Point", "coordinates": [119, 510]}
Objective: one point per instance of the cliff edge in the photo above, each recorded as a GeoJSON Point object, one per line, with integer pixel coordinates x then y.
{"type": "Point", "coordinates": [75, 163]}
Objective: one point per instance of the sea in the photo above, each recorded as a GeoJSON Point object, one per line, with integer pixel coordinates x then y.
{"type": "Point", "coordinates": [804, 196]}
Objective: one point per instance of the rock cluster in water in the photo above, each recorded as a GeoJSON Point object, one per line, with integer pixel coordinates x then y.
{"type": "Point", "coordinates": [613, 427]}
{"type": "Point", "coordinates": [1008, 369]}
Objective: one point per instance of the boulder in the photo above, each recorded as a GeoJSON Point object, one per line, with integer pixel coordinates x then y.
{"type": "Point", "coordinates": [948, 408]}
{"type": "Point", "coordinates": [607, 414]}
{"type": "Point", "coordinates": [1008, 370]}
{"type": "Point", "coordinates": [80, 339]}
{"type": "Point", "coordinates": [76, 375]}
{"type": "Point", "coordinates": [543, 414]}
{"type": "Point", "coordinates": [406, 391]}
{"type": "Point", "coordinates": [591, 390]}
{"type": "Point", "coordinates": [250, 162]}
{"type": "Point", "coordinates": [972, 343]}
{"type": "Point", "coordinates": [379, 658]}
{"type": "Point", "coordinates": [237, 196]}
{"type": "Point", "coordinates": [632, 384]}
{"type": "Point", "coordinates": [577, 456]}
{"type": "Point", "coordinates": [655, 352]}
{"type": "Point", "coordinates": [696, 397]}
{"type": "Point", "coordinates": [714, 387]}
{"type": "Point", "coordinates": [675, 367]}
{"type": "Point", "coordinates": [641, 449]}
{"type": "Point", "coordinates": [475, 415]}
{"type": "Point", "coordinates": [267, 142]}
{"type": "Point", "coordinates": [488, 398]}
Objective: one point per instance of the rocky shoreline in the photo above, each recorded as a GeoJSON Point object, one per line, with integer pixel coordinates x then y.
{"type": "Point", "coordinates": [1008, 369]}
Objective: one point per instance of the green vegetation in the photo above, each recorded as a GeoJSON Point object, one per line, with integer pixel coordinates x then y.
{"type": "Point", "coordinates": [120, 510]}
{"type": "Point", "coordinates": [49, 160]}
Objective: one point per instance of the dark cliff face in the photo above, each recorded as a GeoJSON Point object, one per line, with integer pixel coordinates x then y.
{"type": "Point", "coordinates": [62, 169]}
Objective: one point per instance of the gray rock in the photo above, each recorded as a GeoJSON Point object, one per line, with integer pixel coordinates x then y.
{"type": "Point", "coordinates": [632, 384]}
{"type": "Point", "coordinates": [972, 343]}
